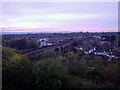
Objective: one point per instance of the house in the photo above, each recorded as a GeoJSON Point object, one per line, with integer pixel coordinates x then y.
{"type": "Point", "coordinates": [42, 42]}
{"type": "Point", "coordinates": [79, 48]}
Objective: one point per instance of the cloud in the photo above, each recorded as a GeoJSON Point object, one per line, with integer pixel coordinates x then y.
{"type": "Point", "coordinates": [59, 16]}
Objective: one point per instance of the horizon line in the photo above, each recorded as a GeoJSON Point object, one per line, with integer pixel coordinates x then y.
{"type": "Point", "coordinates": [3, 33]}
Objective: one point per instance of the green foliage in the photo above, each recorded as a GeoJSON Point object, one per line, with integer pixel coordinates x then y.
{"type": "Point", "coordinates": [20, 78]}
{"type": "Point", "coordinates": [48, 54]}
{"type": "Point", "coordinates": [49, 74]}
{"type": "Point", "coordinates": [71, 71]}
{"type": "Point", "coordinates": [77, 69]}
{"type": "Point", "coordinates": [115, 68]}
{"type": "Point", "coordinates": [16, 70]}
{"type": "Point", "coordinates": [63, 59]}
{"type": "Point", "coordinates": [81, 53]}
{"type": "Point", "coordinates": [75, 43]}
{"type": "Point", "coordinates": [96, 61]}
{"type": "Point", "coordinates": [16, 51]}
{"type": "Point", "coordinates": [72, 56]}
{"type": "Point", "coordinates": [88, 84]}
{"type": "Point", "coordinates": [73, 83]}
{"type": "Point", "coordinates": [19, 60]}
{"type": "Point", "coordinates": [93, 61]}
{"type": "Point", "coordinates": [93, 74]}
{"type": "Point", "coordinates": [18, 43]}
{"type": "Point", "coordinates": [12, 58]}
{"type": "Point", "coordinates": [32, 45]}
{"type": "Point", "coordinates": [108, 85]}
{"type": "Point", "coordinates": [98, 47]}
{"type": "Point", "coordinates": [7, 53]}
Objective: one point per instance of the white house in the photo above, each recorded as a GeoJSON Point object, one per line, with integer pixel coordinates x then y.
{"type": "Point", "coordinates": [42, 42]}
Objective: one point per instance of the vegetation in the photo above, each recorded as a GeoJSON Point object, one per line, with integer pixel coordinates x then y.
{"type": "Point", "coordinates": [20, 44]}
{"type": "Point", "coordinates": [74, 70]}
{"type": "Point", "coordinates": [16, 71]}
{"type": "Point", "coordinates": [50, 74]}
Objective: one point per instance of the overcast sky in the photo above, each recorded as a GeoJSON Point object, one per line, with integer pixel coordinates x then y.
{"type": "Point", "coordinates": [52, 17]}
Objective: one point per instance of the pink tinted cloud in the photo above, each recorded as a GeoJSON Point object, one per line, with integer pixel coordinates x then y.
{"type": "Point", "coordinates": [70, 30]}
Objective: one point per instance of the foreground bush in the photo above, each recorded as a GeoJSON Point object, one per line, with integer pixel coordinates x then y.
{"type": "Point", "coordinates": [7, 53]}
{"type": "Point", "coordinates": [55, 72]}
{"type": "Point", "coordinates": [19, 78]}
{"type": "Point", "coordinates": [16, 71]}
{"type": "Point", "coordinates": [50, 74]}
{"type": "Point", "coordinates": [47, 54]}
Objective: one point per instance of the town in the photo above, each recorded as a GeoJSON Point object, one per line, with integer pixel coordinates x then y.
{"type": "Point", "coordinates": [104, 44]}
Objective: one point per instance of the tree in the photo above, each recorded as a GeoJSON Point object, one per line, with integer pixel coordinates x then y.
{"type": "Point", "coordinates": [48, 54]}
{"type": "Point", "coordinates": [12, 58]}
{"type": "Point", "coordinates": [81, 53]}
{"type": "Point", "coordinates": [31, 45]}
{"type": "Point", "coordinates": [98, 47]}
{"type": "Point", "coordinates": [19, 60]}
{"type": "Point", "coordinates": [75, 43]}
{"type": "Point", "coordinates": [49, 74]}
{"type": "Point", "coordinates": [21, 44]}
{"type": "Point", "coordinates": [16, 68]}
{"type": "Point", "coordinates": [57, 50]}
{"type": "Point", "coordinates": [77, 69]}
{"type": "Point", "coordinates": [93, 74]}
{"type": "Point", "coordinates": [113, 38]}
{"type": "Point", "coordinates": [15, 78]}
{"type": "Point", "coordinates": [18, 43]}
{"type": "Point", "coordinates": [72, 56]}
{"type": "Point", "coordinates": [7, 53]}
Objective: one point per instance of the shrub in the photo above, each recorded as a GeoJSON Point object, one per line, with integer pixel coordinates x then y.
{"type": "Point", "coordinates": [115, 68]}
{"type": "Point", "coordinates": [7, 53]}
{"type": "Point", "coordinates": [108, 85]}
{"type": "Point", "coordinates": [48, 54]}
{"type": "Point", "coordinates": [19, 60]}
{"type": "Point", "coordinates": [49, 74]}
{"type": "Point", "coordinates": [93, 74]}
{"type": "Point", "coordinates": [77, 69]}
{"type": "Point", "coordinates": [72, 56]}
{"type": "Point", "coordinates": [88, 84]}
{"type": "Point", "coordinates": [19, 78]}
{"type": "Point", "coordinates": [110, 76]}
{"type": "Point", "coordinates": [74, 83]}
{"type": "Point", "coordinates": [12, 59]}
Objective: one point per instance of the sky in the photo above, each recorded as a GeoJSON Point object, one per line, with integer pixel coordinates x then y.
{"type": "Point", "coordinates": [59, 17]}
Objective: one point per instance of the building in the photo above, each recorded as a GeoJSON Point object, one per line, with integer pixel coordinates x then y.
{"type": "Point", "coordinates": [42, 42]}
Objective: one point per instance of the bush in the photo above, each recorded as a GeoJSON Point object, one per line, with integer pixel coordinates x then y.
{"type": "Point", "coordinates": [115, 68]}
{"type": "Point", "coordinates": [72, 56]}
{"type": "Point", "coordinates": [17, 70]}
{"type": "Point", "coordinates": [12, 59]}
{"type": "Point", "coordinates": [88, 84]}
{"type": "Point", "coordinates": [93, 74]}
{"type": "Point", "coordinates": [19, 78]}
{"type": "Point", "coordinates": [108, 85]}
{"type": "Point", "coordinates": [19, 60]}
{"type": "Point", "coordinates": [77, 69]}
{"type": "Point", "coordinates": [7, 53]}
{"type": "Point", "coordinates": [73, 83]}
{"type": "Point", "coordinates": [49, 74]}
{"type": "Point", "coordinates": [97, 61]}
{"type": "Point", "coordinates": [110, 76]}
{"type": "Point", "coordinates": [48, 54]}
